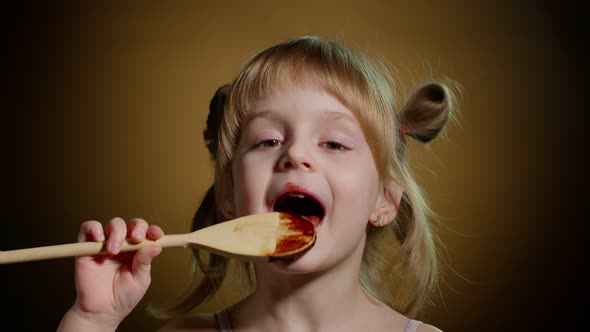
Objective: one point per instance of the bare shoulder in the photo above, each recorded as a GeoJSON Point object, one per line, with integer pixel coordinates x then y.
{"type": "Point", "coordinates": [198, 322]}
{"type": "Point", "coordinates": [427, 328]}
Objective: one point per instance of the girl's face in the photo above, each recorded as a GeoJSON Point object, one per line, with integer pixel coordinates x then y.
{"type": "Point", "coordinates": [303, 140]}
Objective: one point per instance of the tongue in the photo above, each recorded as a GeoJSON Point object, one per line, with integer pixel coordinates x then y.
{"type": "Point", "coordinates": [315, 220]}
{"type": "Point", "coordinates": [300, 205]}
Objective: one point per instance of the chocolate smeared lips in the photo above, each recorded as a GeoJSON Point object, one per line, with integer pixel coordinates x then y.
{"type": "Point", "coordinates": [300, 204]}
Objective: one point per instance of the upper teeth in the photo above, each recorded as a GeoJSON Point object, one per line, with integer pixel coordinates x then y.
{"type": "Point", "coordinates": [297, 195]}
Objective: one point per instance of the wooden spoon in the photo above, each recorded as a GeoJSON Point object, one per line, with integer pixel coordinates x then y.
{"type": "Point", "coordinates": [257, 237]}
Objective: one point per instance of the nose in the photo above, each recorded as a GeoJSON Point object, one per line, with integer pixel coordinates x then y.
{"type": "Point", "coordinates": [295, 156]}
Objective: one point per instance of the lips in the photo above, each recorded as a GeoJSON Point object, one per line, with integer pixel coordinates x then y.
{"type": "Point", "coordinates": [295, 200]}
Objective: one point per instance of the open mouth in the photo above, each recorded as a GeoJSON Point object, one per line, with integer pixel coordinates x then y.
{"type": "Point", "coordinates": [302, 205]}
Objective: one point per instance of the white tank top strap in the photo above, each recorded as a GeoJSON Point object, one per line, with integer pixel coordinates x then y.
{"type": "Point", "coordinates": [412, 325]}
{"type": "Point", "coordinates": [222, 321]}
{"type": "Point", "coordinates": [223, 324]}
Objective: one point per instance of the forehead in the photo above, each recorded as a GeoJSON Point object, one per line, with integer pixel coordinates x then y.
{"type": "Point", "coordinates": [302, 105]}
{"type": "Point", "coordinates": [300, 101]}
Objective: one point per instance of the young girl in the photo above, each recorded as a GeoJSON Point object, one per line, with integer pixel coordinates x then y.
{"type": "Point", "coordinates": [308, 126]}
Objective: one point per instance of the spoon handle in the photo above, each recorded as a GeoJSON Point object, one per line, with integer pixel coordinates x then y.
{"type": "Point", "coordinates": [257, 237]}
{"type": "Point", "coordinates": [83, 249]}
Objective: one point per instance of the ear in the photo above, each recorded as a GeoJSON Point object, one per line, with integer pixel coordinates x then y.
{"type": "Point", "coordinates": [387, 206]}
{"type": "Point", "coordinates": [227, 204]}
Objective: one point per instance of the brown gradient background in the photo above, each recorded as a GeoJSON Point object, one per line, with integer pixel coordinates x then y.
{"type": "Point", "coordinates": [105, 105]}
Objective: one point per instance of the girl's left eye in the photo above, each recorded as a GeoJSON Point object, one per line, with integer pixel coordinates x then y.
{"type": "Point", "coordinates": [334, 146]}
{"type": "Point", "coordinates": [269, 143]}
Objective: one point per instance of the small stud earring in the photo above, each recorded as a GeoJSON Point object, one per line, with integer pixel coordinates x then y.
{"type": "Point", "coordinates": [379, 221]}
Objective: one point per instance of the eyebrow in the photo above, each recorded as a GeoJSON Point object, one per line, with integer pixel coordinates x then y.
{"type": "Point", "coordinates": [335, 115]}
{"type": "Point", "coordinates": [262, 114]}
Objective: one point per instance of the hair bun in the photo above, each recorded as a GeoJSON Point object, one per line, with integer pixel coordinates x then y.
{"type": "Point", "coordinates": [426, 112]}
{"type": "Point", "coordinates": [216, 106]}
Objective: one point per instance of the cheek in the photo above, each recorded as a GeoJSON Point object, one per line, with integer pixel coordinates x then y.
{"type": "Point", "coordinates": [358, 190]}
{"type": "Point", "coordinates": [248, 188]}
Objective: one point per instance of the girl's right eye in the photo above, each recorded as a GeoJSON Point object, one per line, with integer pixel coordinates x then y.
{"type": "Point", "coordinates": [269, 143]}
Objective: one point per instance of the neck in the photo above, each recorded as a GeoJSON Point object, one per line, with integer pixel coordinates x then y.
{"type": "Point", "coordinates": [311, 300]}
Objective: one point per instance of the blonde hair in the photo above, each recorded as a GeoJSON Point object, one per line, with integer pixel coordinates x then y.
{"type": "Point", "coordinates": [399, 265]}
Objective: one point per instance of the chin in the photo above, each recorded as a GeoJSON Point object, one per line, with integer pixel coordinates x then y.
{"type": "Point", "coordinates": [308, 262]}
